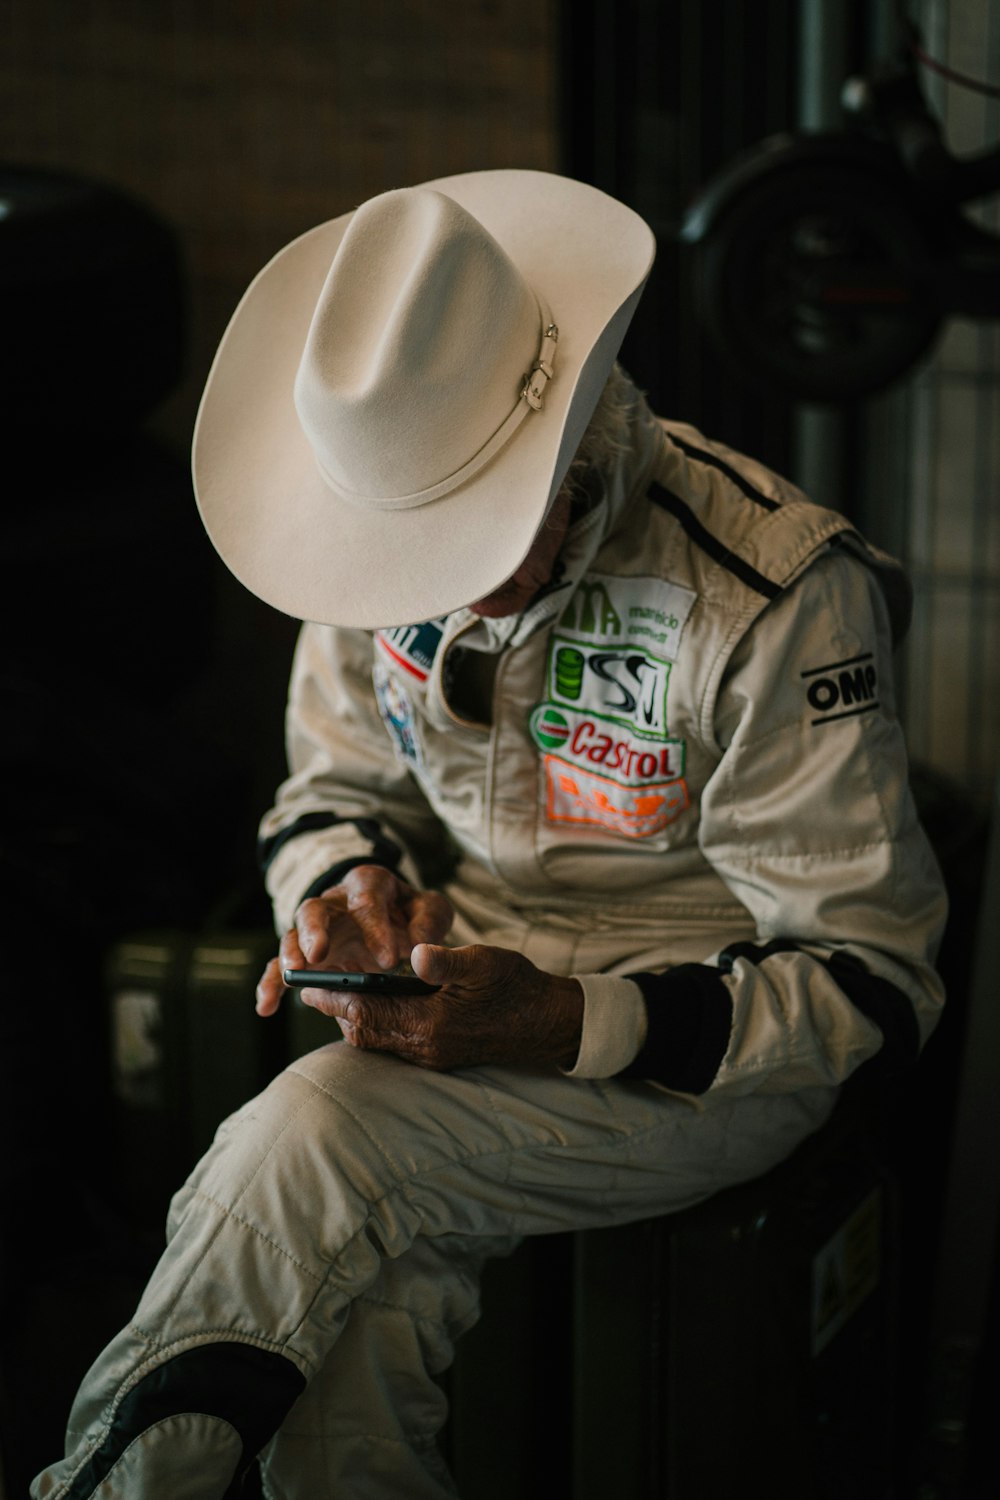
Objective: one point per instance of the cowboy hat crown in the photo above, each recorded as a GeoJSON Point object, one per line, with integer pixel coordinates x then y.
{"type": "Point", "coordinates": [400, 391]}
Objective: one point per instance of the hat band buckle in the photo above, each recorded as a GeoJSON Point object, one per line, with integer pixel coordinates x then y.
{"type": "Point", "coordinates": [537, 379]}
{"type": "Point", "coordinates": [530, 398]}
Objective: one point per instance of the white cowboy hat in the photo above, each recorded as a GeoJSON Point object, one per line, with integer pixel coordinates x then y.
{"type": "Point", "coordinates": [400, 391]}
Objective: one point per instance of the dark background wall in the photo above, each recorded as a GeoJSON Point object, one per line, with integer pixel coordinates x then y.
{"type": "Point", "coordinates": [241, 126]}
{"type": "Point", "coordinates": [654, 99]}
{"type": "Point", "coordinates": [143, 689]}
{"type": "Point", "coordinates": [237, 127]}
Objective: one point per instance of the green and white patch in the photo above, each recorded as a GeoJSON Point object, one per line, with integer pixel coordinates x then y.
{"type": "Point", "coordinates": [628, 687]}
{"type": "Point", "coordinates": [641, 612]}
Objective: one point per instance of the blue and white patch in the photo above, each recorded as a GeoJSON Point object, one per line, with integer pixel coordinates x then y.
{"type": "Point", "coordinates": [397, 713]}
{"type": "Point", "coordinates": [413, 647]}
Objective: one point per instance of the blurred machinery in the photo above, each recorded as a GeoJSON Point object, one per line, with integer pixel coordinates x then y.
{"type": "Point", "coordinates": [825, 263]}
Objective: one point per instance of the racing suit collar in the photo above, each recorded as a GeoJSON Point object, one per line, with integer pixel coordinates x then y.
{"type": "Point", "coordinates": [621, 484]}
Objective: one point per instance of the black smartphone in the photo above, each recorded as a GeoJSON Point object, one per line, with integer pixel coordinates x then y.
{"type": "Point", "coordinates": [372, 984]}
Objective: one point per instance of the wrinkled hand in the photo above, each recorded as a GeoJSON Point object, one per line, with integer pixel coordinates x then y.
{"type": "Point", "coordinates": [494, 1006]}
{"type": "Point", "coordinates": [370, 921]}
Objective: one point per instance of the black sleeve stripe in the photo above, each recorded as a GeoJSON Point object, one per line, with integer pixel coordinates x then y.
{"type": "Point", "coordinates": [268, 848]}
{"type": "Point", "coordinates": [735, 564]}
{"type": "Point", "coordinates": [384, 850]}
{"type": "Point", "coordinates": [251, 1389]}
{"type": "Point", "coordinates": [690, 1017]}
{"type": "Point", "coordinates": [733, 475]}
{"type": "Point", "coordinates": [756, 952]}
{"type": "Point", "coordinates": [882, 1002]}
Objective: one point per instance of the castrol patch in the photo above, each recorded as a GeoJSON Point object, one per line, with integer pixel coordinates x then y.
{"type": "Point", "coordinates": [597, 744]}
{"type": "Point", "coordinates": [602, 726]}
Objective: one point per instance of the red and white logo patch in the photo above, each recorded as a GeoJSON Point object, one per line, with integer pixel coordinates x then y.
{"type": "Point", "coordinates": [413, 647]}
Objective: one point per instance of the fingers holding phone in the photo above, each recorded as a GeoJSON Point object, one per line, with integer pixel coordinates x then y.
{"type": "Point", "coordinates": [386, 1012]}
{"type": "Point", "coordinates": [396, 983]}
{"type": "Point", "coordinates": [369, 922]}
{"type": "Point", "coordinates": [464, 1007]}
{"type": "Point", "coordinates": [365, 1004]}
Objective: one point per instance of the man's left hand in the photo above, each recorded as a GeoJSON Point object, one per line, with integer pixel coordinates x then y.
{"type": "Point", "coordinates": [494, 1006]}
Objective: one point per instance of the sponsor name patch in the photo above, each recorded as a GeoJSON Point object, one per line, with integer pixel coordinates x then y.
{"type": "Point", "coordinates": [602, 724]}
{"type": "Point", "coordinates": [841, 689]}
{"type": "Point", "coordinates": [642, 612]}
{"type": "Point", "coordinates": [628, 687]}
{"type": "Point", "coordinates": [592, 742]}
{"type": "Point", "coordinates": [397, 713]}
{"type": "Point", "coordinates": [576, 795]}
{"type": "Point", "coordinates": [413, 647]}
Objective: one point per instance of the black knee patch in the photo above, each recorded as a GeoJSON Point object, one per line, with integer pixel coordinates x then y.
{"type": "Point", "coordinates": [250, 1389]}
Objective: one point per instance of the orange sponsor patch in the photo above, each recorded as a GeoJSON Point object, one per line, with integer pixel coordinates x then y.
{"type": "Point", "coordinates": [574, 795]}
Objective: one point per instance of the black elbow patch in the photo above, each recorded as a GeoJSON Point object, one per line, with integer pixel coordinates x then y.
{"type": "Point", "coordinates": [689, 1020]}
{"type": "Point", "coordinates": [886, 1006]}
{"type": "Point", "coordinates": [250, 1389]}
{"type": "Point", "coordinates": [880, 1001]}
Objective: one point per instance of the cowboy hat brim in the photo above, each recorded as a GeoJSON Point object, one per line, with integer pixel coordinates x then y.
{"type": "Point", "coordinates": [316, 555]}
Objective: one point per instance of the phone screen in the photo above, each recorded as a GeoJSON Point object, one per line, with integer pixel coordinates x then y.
{"type": "Point", "coordinates": [372, 984]}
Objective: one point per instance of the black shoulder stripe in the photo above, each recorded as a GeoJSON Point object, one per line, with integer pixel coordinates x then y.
{"type": "Point", "coordinates": [251, 1389]}
{"type": "Point", "coordinates": [733, 475]}
{"type": "Point", "coordinates": [678, 508]}
{"type": "Point", "coordinates": [384, 850]}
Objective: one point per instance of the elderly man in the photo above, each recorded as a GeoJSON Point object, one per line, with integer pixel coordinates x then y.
{"type": "Point", "coordinates": [591, 730]}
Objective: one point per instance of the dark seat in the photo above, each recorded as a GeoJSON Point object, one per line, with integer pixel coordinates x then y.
{"type": "Point", "coordinates": [687, 1356]}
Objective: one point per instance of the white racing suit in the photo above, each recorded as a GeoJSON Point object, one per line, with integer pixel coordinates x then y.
{"type": "Point", "coordinates": [678, 776]}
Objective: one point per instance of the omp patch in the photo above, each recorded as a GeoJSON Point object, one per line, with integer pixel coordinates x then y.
{"type": "Point", "coordinates": [842, 689]}
{"type": "Point", "coordinates": [644, 612]}
{"type": "Point", "coordinates": [397, 713]}
{"type": "Point", "coordinates": [574, 795]}
{"type": "Point", "coordinates": [587, 740]}
{"type": "Point", "coordinates": [413, 647]}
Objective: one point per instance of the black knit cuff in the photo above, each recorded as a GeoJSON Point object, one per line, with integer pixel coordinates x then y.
{"type": "Point", "coordinates": [690, 1017]}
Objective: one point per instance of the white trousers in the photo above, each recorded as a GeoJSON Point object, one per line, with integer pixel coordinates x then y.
{"type": "Point", "coordinates": [334, 1232]}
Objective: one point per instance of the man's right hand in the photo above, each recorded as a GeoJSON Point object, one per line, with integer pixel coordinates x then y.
{"type": "Point", "coordinates": [371, 921]}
